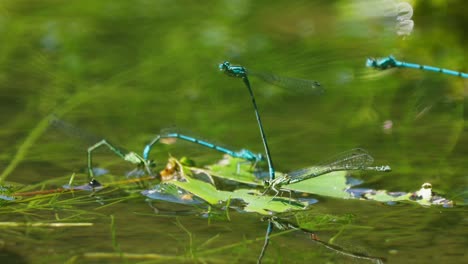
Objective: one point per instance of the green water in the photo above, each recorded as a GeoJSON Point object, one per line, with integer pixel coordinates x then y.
{"type": "Point", "coordinates": [126, 69]}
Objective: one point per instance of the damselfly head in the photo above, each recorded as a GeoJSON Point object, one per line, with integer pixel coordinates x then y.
{"type": "Point", "coordinates": [224, 66]}
{"type": "Point", "coordinates": [94, 183]}
{"type": "Point", "coordinates": [371, 62]}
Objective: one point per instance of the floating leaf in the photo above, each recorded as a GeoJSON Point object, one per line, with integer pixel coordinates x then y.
{"type": "Point", "coordinates": [243, 199]}
{"type": "Point", "coordinates": [250, 200]}
{"type": "Point", "coordinates": [265, 204]}
{"type": "Point", "coordinates": [234, 169]}
{"type": "Point", "coordinates": [332, 184]}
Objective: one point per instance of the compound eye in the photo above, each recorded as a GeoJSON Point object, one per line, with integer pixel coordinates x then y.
{"type": "Point", "coordinates": [223, 66]}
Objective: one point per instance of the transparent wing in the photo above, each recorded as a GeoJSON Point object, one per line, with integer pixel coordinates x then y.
{"type": "Point", "coordinates": [72, 131]}
{"type": "Point", "coordinates": [291, 84]}
{"type": "Point", "coordinates": [354, 159]}
{"type": "Point", "coordinates": [76, 132]}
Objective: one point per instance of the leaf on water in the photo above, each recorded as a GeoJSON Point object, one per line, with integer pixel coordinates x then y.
{"type": "Point", "coordinates": [205, 191]}
{"type": "Point", "coordinates": [227, 168]}
{"type": "Point", "coordinates": [250, 200]}
{"type": "Point", "coordinates": [265, 204]}
{"type": "Point", "coordinates": [333, 184]}
{"type": "Point", "coordinates": [244, 199]}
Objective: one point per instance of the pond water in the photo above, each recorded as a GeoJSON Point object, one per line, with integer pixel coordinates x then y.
{"type": "Point", "coordinates": [127, 69]}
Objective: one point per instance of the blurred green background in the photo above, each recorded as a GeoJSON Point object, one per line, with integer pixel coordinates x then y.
{"type": "Point", "coordinates": [126, 69]}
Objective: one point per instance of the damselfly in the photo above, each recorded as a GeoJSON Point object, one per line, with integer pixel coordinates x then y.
{"type": "Point", "coordinates": [242, 154]}
{"type": "Point", "coordinates": [355, 159]}
{"type": "Point", "coordinates": [391, 62]}
{"type": "Point", "coordinates": [290, 83]}
{"type": "Point", "coordinates": [129, 156]}
{"type": "Point", "coordinates": [241, 72]}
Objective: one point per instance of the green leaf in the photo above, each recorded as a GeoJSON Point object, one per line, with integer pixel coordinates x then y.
{"type": "Point", "coordinates": [331, 184]}
{"type": "Point", "coordinates": [383, 196]}
{"type": "Point", "coordinates": [227, 168]}
{"type": "Point", "coordinates": [249, 200]}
